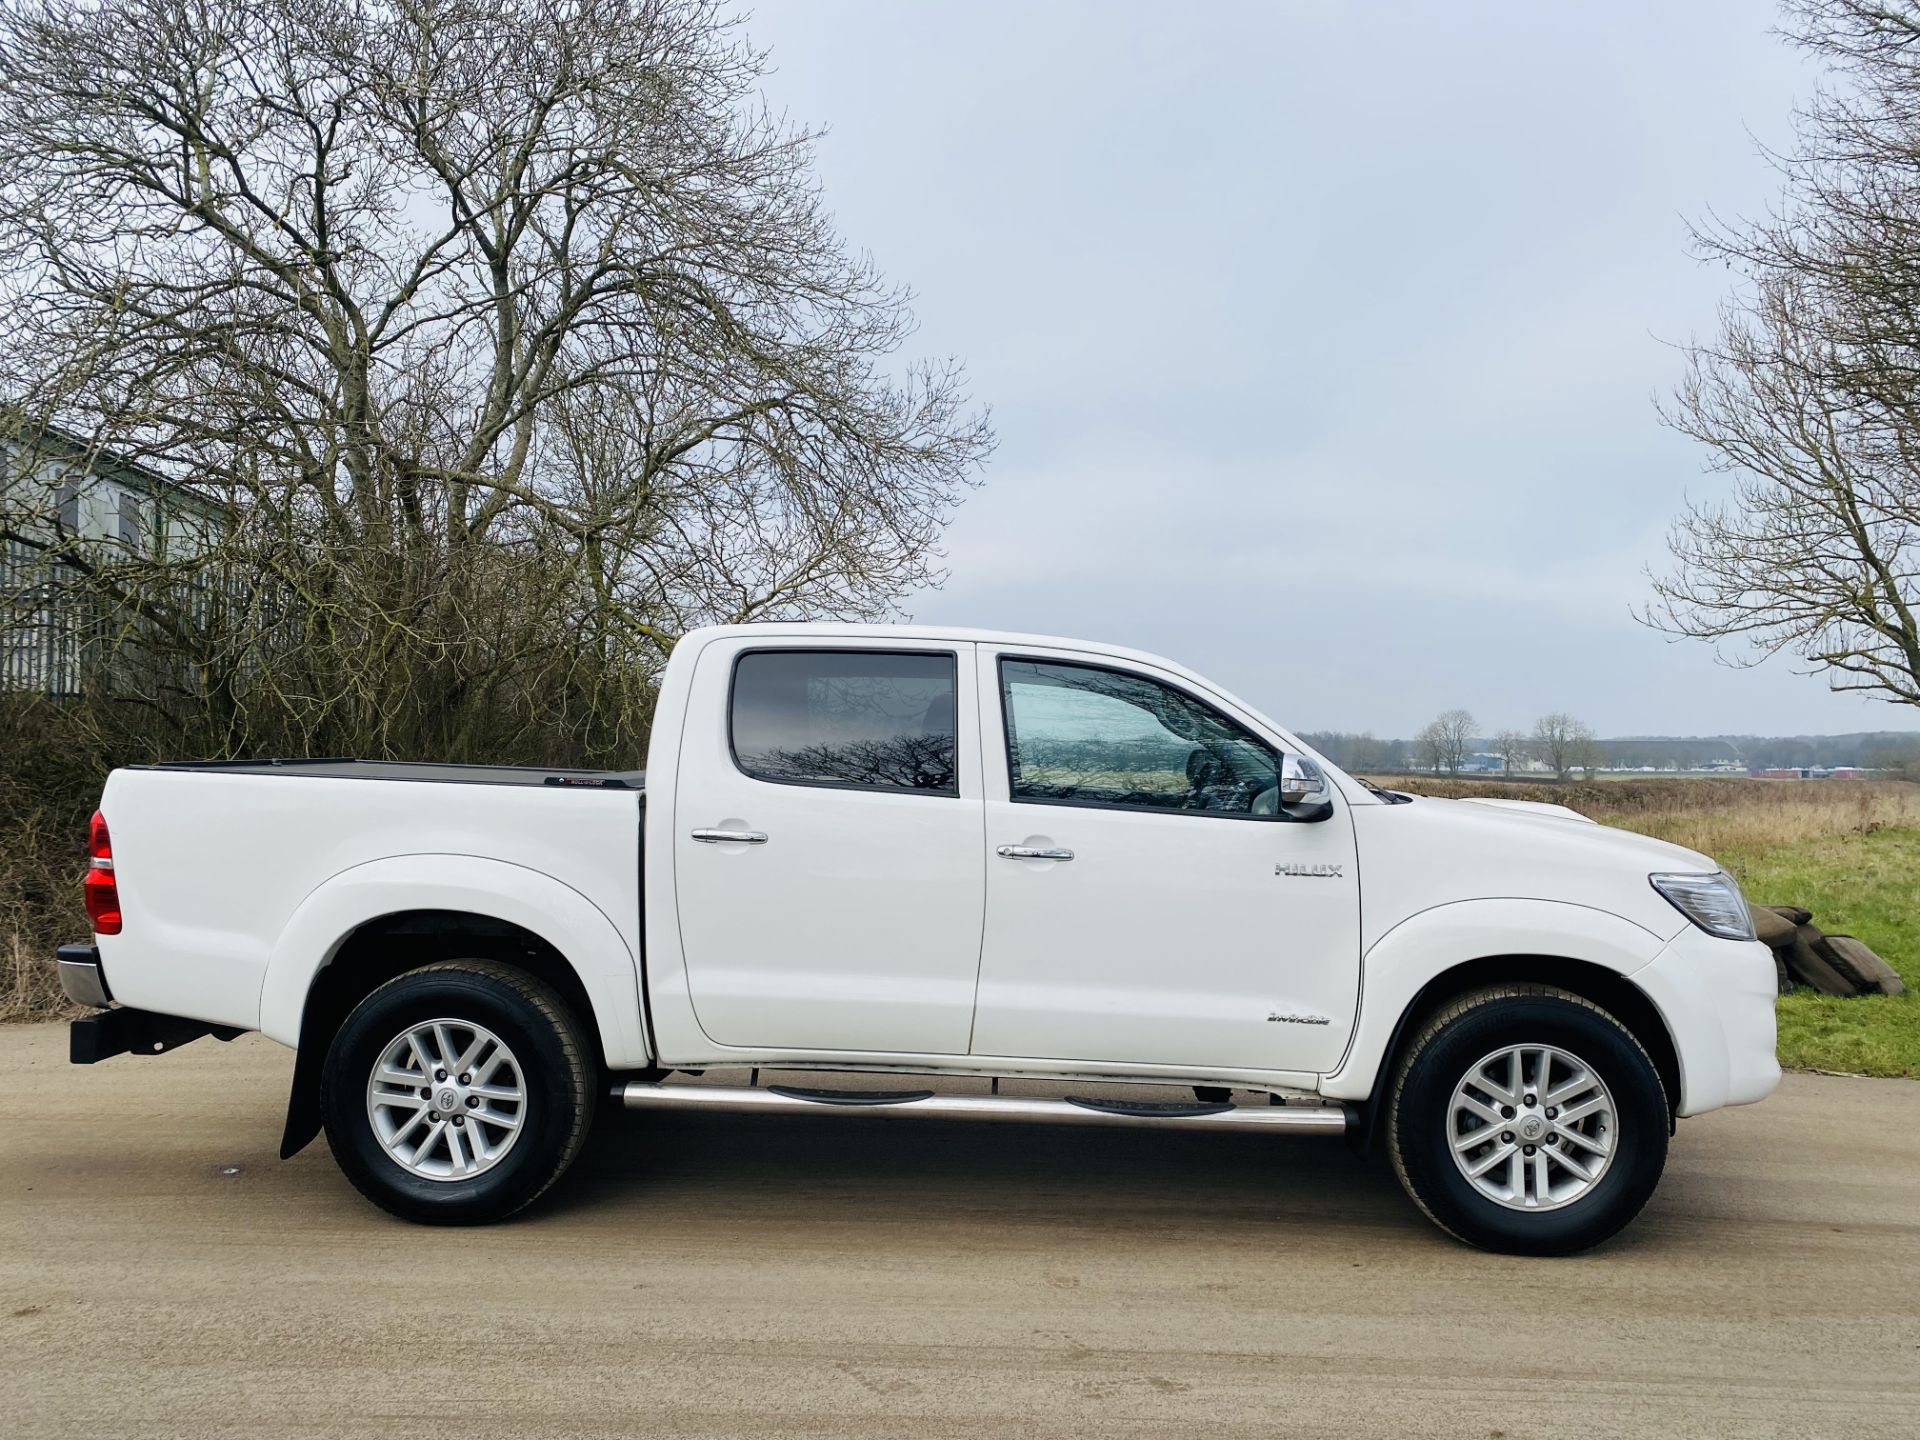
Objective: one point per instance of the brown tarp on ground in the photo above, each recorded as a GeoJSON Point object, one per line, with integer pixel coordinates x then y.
{"type": "Point", "coordinates": [1804, 955]}
{"type": "Point", "coordinates": [1853, 959]}
{"type": "Point", "coordinates": [1808, 966]}
{"type": "Point", "coordinates": [1774, 929]}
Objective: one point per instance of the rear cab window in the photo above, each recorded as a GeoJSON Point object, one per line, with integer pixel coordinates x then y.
{"type": "Point", "coordinates": [853, 719]}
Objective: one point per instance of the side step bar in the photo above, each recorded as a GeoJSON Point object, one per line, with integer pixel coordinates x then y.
{"type": "Point", "coordinates": [789, 1100]}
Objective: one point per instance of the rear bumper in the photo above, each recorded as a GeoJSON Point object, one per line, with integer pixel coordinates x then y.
{"type": "Point", "coordinates": [81, 977]}
{"type": "Point", "coordinates": [119, 1031]}
{"type": "Point", "coordinates": [1717, 997]}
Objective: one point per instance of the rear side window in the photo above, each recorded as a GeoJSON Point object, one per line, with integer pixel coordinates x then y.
{"type": "Point", "coordinates": [862, 718]}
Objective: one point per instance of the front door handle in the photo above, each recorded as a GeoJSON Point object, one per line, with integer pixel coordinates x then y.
{"type": "Point", "coordinates": [737, 837]}
{"type": "Point", "coordinates": [1033, 852]}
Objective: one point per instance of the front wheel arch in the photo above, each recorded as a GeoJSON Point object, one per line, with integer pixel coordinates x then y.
{"type": "Point", "coordinates": [1608, 989]}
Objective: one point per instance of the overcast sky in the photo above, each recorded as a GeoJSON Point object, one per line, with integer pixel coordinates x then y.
{"type": "Point", "coordinates": [1321, 339]}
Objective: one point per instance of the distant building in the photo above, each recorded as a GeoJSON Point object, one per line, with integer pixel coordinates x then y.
{"type": "Point", "coordinates": [55, 490]}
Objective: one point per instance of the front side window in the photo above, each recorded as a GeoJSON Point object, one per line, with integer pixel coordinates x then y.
{"type": "Point", "coordinates": [846, 717]}
{"type": "Point", "coordinates": [1079, 735]}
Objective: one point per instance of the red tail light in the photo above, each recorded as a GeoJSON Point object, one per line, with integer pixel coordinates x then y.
{"type": "Point", "coordinates": [103, 896]}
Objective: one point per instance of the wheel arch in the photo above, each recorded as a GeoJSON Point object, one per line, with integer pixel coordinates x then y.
{"type": "Point", "coordinates": [1437, 956]}
{"type": "Point", "coordinates": [1608, 989]}
{"type": "Point", "coordinates": [379, 920]}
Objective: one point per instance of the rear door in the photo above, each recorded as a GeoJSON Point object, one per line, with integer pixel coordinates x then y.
{"type": "Point", "coordinates": [828, 858]}
{"type": "Point", "coordinates": [1149, 900]}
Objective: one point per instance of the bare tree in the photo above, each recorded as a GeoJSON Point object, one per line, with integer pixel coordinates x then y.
{"type": "Point", "coordinates": [1512, 747]}
{"type": "Point", "coordinates": [1807, 395]}
{"type": "Point", "coordinates": [1564, 744]}
{"type": "Point", "coordinates": [510, 339]}
{"type": "Point", "coordinates": [1427, 748]}
{"type": "Point", "coordinates": [1442, 744]}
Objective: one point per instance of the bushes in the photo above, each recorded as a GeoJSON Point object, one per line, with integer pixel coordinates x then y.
{"type": "Point", "coordinates": [47, 791]}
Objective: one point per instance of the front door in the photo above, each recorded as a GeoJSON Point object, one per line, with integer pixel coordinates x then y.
{"type": "Point", "coordinates": [1150, 900]}
{"type": "Point", "coordinates": [827, 860]}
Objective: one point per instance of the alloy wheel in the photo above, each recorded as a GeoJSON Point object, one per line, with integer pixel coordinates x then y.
{"type": "Point", "coordinates": [447, 1100]}
{"type": "Point", "coordinates": [1532, 1127]}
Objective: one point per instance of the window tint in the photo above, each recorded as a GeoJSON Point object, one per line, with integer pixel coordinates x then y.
{"type": "Point", "coordinates": [1077, 735]}
{"type": "Point", "coordinates": [846, 717]}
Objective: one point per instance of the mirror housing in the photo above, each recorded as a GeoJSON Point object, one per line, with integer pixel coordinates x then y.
{"type": "Point", "coordinates": [1305, 793]}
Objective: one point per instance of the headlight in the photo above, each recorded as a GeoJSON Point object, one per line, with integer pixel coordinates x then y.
{"type": "Point", "coordinates": [1713, 902]}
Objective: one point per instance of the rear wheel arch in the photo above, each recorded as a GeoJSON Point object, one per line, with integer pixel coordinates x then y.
{"type": "Point", "coordinates": [388, 946]}
{"type": "Point", "coordinates": [1610, 990]}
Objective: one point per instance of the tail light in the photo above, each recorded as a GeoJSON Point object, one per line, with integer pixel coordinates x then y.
{"type": "Point", "coordinates": [103, 895]}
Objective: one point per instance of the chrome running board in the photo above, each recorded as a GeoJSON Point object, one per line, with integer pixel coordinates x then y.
{"type": "Point", "coordinates": [788, 1100]}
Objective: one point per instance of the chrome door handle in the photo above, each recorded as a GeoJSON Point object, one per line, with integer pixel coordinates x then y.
{"type": "Point", "coordinates": [737, 837]}
{"type": "Point", "coordinates": [1033, 852]}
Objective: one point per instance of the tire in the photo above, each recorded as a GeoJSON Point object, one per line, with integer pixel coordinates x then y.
{"type": "Point", "coordinates": [1440, 1093]}
{"type": "Point", "coordinates": [538, 1074]}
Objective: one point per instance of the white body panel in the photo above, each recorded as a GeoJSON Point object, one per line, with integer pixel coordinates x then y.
{"type": "Point", "coordinates": [237, 888]}
{"type": "Point", "coordinates": [882, 930]}
{"type": "Point", "coordinates": [1170, 938]}
{"type": "Point", "coordinates": [856, 925]}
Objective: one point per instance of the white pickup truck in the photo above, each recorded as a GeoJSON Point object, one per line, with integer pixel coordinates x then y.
{"type": "Point", "coordinates": [933, 853]}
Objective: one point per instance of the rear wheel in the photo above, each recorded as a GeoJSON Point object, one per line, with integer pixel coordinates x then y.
{"type": "Point", "coordinates": [1528, 1120]}
{"type": "Point", "coordinates": [456, 1094]}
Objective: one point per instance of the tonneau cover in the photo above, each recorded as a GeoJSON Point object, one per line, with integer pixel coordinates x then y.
{"type": "Point", "coordinates": [346, 769]}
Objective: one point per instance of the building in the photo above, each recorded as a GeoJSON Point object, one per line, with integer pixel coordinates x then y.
{"type": "Point", "coordinates": [61, 499]}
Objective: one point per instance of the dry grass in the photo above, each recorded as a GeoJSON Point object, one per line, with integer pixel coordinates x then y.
{"type": "Point", "coordinates": [29, 988]}
{"type": "Point", "coordinates": [40, 909]}
{"type": "Point", "coordinates": [1711, 815]}
{"type": "Point", "coordinates": [42, 859]}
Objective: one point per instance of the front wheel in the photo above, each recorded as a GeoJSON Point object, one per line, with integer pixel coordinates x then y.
{"type": "Point", "coordinates": [456, 1094]}
{"type": "Point", "coordinates": [1527, 1120]}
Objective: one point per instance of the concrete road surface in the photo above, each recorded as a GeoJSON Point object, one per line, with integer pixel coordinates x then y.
{"type": "Point", "coordinates": [162, 1273]}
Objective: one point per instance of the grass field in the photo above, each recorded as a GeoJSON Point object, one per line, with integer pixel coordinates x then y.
{"type": "Point", "coordinates": [1848, 850]}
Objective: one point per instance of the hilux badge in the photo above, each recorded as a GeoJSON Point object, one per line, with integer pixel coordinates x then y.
{"type": "Point", "coordinates": [1319, 872]}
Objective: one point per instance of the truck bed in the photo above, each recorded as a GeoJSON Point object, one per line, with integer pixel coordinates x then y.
{"type": "Point", "coordinates": [223, 866]}
{"type": "Point", "coordinates": [340, 768]}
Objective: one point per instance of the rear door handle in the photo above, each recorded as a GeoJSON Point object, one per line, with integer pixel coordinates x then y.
{"type": "Point", "coordinates": [1033, 852]}
{"type": "Point", "coordinates": [736, 837]}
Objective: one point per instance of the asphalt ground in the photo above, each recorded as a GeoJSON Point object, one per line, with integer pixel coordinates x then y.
{"type": "Point", "coordinates": [163, 1273]}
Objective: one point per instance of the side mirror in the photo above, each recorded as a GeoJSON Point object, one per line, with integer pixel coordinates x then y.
{"type": "Point", "coordinates": [1303, 789]}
